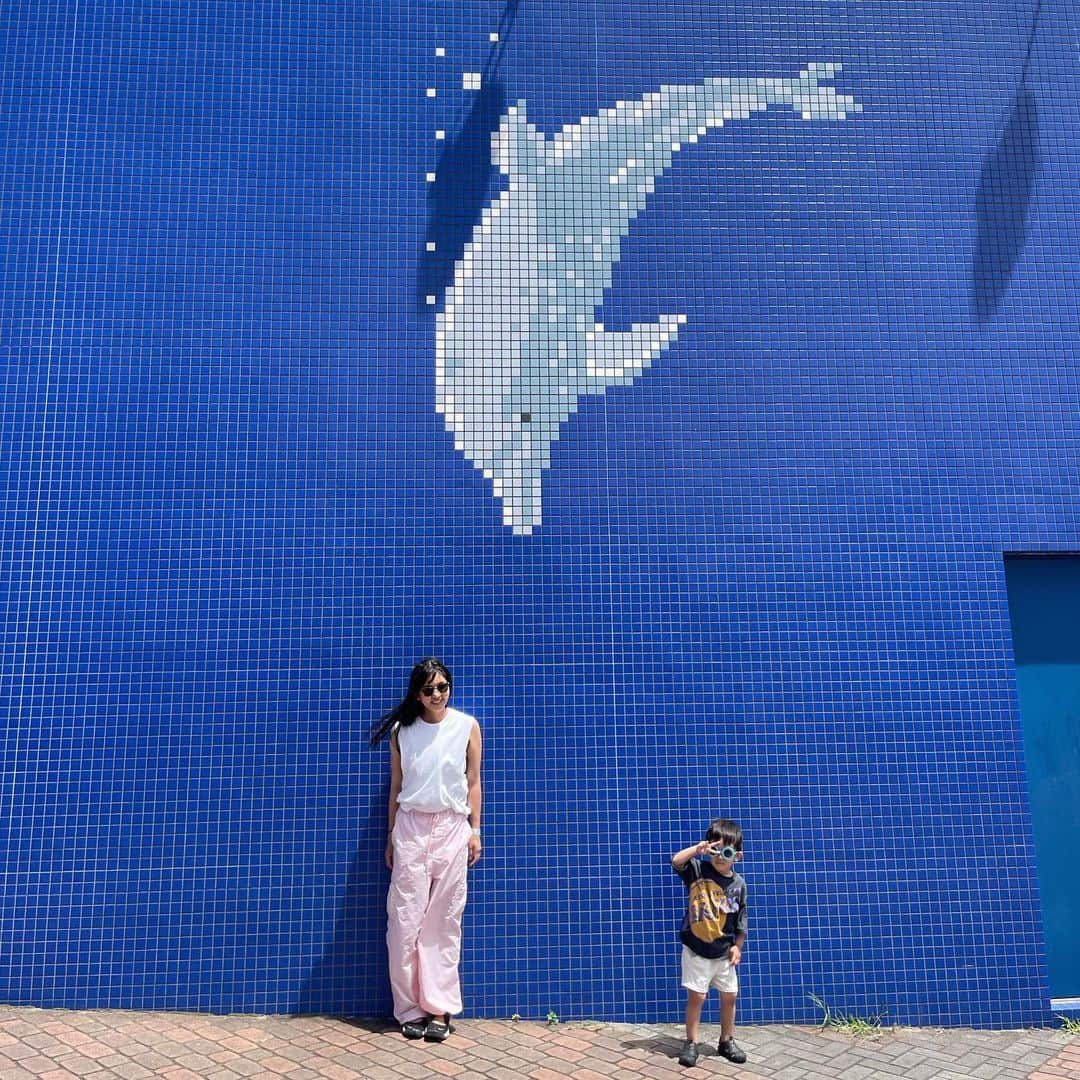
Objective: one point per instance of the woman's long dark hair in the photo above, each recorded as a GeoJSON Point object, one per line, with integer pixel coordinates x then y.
{"type": "Point", "coordinates": [409, 708]}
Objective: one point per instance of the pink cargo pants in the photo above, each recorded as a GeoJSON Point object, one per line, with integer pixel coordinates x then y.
{"type": "Point", "coordinates": [427, 894]}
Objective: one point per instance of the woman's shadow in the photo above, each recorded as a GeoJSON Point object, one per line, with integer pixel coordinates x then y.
{"type": "Point", "coordinates": [350, 978]}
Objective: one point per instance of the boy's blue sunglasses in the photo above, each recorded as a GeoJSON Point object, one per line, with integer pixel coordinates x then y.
{"type": "Point", "coordinates": [727, 853]}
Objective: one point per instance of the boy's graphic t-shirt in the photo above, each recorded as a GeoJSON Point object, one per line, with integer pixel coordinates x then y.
{"type": "Point", "coordinates": [715, 909]}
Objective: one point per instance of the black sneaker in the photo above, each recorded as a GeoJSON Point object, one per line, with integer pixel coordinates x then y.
{"type": "Point", "coordinates": [729, 1048]}
{"type": "Point", "coordinates": [414, 1029]}
{"type": "Point", "coordinates": [689, 1054]}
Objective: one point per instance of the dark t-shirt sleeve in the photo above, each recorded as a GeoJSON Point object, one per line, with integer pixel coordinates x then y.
{"type": "Point", "coordinates": [740, 919]}
{"type": "Point", "coordinates": [687, 871]}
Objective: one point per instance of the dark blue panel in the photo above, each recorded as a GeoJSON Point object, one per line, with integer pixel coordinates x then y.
{"type": "Point", "coordinates": [1044, 599]}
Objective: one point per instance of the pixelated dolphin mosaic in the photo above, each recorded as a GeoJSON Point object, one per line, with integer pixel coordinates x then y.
{"type": "Point", "coordinates": [517, 344]}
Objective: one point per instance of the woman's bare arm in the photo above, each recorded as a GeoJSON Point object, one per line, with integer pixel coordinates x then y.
{"type": "Point", "coordinates": [472, 776]}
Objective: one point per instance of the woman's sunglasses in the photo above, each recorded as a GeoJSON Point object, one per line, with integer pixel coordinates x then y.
{"type": "Point", "coordinates": [438, 688]}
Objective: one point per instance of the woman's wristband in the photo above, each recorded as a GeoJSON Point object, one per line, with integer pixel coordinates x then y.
{"type": "Point", "coordinates": [476, 832]}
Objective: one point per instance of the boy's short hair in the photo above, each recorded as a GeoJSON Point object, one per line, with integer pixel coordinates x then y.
{"type": "Point", "coordinates": [725, 831]}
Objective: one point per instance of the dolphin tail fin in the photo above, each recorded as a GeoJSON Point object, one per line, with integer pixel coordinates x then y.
{"type": "Point", "coordinates": [616, 358]}
{"type": "Point", "coordinates": [516, 145]}
{"type": "Point", "coordinates": [814, 101]}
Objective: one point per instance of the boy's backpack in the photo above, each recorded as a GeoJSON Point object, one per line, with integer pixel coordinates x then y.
{"type": "Point", "coordinates": [707, 908]}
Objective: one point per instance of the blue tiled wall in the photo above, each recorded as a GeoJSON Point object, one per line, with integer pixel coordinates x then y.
{"type": "Point", "coordinates": [763, 576]}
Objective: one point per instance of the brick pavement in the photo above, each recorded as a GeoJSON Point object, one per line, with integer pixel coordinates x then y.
{"type": "Point", "coordinates": [53, 1044]}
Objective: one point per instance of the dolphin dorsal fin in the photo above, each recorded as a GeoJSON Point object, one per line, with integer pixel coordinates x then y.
{"type": "Point", "coordinates": [517, 146]}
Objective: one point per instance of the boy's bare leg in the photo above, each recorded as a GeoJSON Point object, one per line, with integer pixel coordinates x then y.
{"type": "Point", "coordinates": [694, 1002]}
{"type": "Point", "coordinates": [727, 1015]}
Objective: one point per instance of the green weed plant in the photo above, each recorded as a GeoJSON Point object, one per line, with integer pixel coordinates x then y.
{"type": "Point", "coordinates": [855, 1026]}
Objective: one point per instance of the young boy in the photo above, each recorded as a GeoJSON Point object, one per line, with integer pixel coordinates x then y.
{"type": "Point", "coordinates": [713, 932]}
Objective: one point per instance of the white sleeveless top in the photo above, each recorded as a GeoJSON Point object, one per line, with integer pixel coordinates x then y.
{"type": "Point", "coordinates": [433, 764]}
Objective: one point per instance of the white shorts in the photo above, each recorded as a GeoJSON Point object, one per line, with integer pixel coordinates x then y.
{"type": "Point", "coordinates": [699, 973]}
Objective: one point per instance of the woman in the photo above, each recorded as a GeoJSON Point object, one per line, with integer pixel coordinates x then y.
{"type": "Point", "coordinates": [434, 833]}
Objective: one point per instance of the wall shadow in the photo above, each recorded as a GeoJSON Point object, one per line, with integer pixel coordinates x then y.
{"type": "Point", "coordinates": [1003, 197]}
{"type": "Point", "coordinates": [463, 176]}
{"type": "Point", "coordinates": [463, 179]}
{"type": "Point", "coordinates": [1002, 202]}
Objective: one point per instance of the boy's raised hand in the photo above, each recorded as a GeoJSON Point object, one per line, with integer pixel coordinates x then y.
{"type": "Point", "coordinates": [681, 858]}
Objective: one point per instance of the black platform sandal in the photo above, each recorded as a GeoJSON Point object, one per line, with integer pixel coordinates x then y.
{"type": "Point", "coordinates": [438, 1029]}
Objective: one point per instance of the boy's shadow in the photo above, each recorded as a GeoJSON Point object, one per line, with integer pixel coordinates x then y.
{"type": "Point", "coordinates": [670, 1046]}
